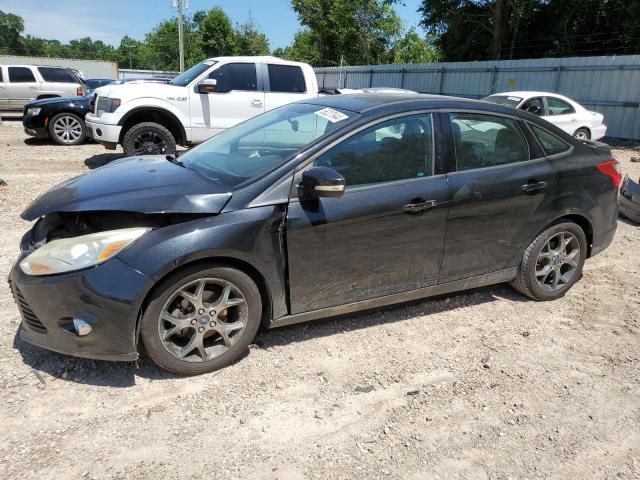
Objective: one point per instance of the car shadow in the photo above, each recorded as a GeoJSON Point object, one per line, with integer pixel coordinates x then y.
{"type": "Point", "coordinates": [386, 315]}
{"type": "Point", "coordinates": [102, 159]}
{"type": "Point", "coordinates": [123, 374]}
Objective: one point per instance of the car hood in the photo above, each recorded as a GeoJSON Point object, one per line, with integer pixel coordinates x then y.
{"type": "Point", "coordinates": [60, 100]}
{"type": "Point", "coordinates": [150, 184]}
{"type": "Point", "coordinates": [126, 91]}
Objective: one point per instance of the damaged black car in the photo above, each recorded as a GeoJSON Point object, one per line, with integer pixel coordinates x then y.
{"type": "Point", "coordinates": [629, 199]}
{"type": "Point", "coordinates": [315, 209]}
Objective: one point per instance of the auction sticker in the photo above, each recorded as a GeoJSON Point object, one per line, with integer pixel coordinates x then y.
{"type": "Point", "coordinates": [332, 115]}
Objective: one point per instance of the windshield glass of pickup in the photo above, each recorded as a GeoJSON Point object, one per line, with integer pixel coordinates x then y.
{"type": "Point", "coordinates": [245, 152]}
{"type": "Point", "coordinates": [185, 78]}
{"type": "Point", "coordinates": [504, 100]}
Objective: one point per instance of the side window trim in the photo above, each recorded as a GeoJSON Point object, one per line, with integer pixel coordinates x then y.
{"type": "Point", "coordinates": [452, 149]}
{"type": "Point", "coordinates": [308, 162]}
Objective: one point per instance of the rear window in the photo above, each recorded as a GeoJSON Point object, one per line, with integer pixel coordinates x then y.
{"type": "Point", "coordinates": [508, 101]}
{"type": "Point", "coordinates": [58, 75]}
{"type": "Point", "coordinates": [21, 75]}
{"type": "Point", "coordinates": [552, 145]}
{"type": "Point", "coordinates": [286, 78]}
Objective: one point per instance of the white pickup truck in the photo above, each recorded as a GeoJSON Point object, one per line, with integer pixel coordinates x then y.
{"type": "Point", "coordinates": [150, 118]}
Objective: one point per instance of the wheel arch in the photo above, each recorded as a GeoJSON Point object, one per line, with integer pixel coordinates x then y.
{"type": "Point", "coordinates": [158, 115]}
{"type": "Point", "coordinates": [218, 261]}
{"type": "Point", "coordinates": [581, 220]}
{"type": "Point", "coordinates": [584, 127]}
{"type": "Point", "coordinates": [47, 95]}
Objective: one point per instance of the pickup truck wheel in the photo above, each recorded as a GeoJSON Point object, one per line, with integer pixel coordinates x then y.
{"type": "Point", "coordinates": [148, 138]}
{"type": "Point", "coordinates": [67, 129]}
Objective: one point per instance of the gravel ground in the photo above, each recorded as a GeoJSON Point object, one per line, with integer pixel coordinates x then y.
{"type": "Point", "coordinates": [481, 384]}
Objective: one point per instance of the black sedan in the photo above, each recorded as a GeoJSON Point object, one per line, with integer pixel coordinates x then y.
{"type": "Point", "coordinates": [61, 119]}
{"type": "Point", "coordinates": [320, 208]}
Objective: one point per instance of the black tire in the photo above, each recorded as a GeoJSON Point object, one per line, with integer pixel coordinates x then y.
{"type": "Point", "coordinates": [526, 281]}
{"type": "Point", "coordinates": [151, 323]}
{"type": "Point", "coordinates": [67, 129]}
{"type": "Point", "coordinates": [148, 138]}
{"type": "Point", "coordinates": [582, 134]}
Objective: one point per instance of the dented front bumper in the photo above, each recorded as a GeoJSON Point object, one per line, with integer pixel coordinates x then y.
{"type": "Point", "coordinates": [105, 296]}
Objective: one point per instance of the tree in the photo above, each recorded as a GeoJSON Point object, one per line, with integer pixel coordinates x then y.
{"type": "Point", "coordinates": [216, 32]}
{"type": "Point", "coordinates": [160, 48]}
{"type": "Point", "coordinates": [11, 27]}
{"type": "Point", "coordinates": [129, 53]}
{"type": "Point", "coordinates": [360, 31]}
{"type": "Point", "coordinates": [249, 40]}
{"type": "Point", "coordinates": [303, 48]}
{"type": "Point", "coordinates": [411, 48]}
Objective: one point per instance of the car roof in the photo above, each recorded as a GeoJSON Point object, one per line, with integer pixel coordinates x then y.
{"type": "Point", "coordinates": [527, 94]}
{"type": "Point", "coordinates": [367, 102]}
{"type": "Point", "coordinates": [255, 58]}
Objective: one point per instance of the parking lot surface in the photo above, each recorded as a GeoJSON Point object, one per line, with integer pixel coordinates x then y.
{"type": "Point", "coordinates": [479, 384]}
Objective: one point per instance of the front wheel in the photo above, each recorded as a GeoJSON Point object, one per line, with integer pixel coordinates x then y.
{"type": "Point", "coordinates": [67, 129]}
{"type": "Point", "coordinates": [148, 138]}
{"type": "Point", "coordinates": [552, 263]}
{"type": "Point", "coordinates": [201, 319]}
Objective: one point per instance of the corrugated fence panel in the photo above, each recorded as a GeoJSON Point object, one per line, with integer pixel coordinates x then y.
{"type": "Point", "coordinates": [88, 68]}
{"type": "Point", "coordinates": [609, 85]}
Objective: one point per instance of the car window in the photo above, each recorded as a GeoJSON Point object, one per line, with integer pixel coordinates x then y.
{"type": "Point", "coordinates": [235, 76]}
{"type": "Point", "coordinates": [398, 149]}
{"type": "Point", "coordinates": [558, 107]}
{"type": "Point", "coordinates": [485, 141]}
{"type": "Point", "coordinates": [1, 74]}
{"type": "Point", "coordinates": [533, 105]}
{"type": "Point", "coordinates": [21, 75]}
{"type": "Point", "coordinates": [552, 145]}
{"type": "Point", "coordinates": [286, 78]}
{"type": "Point", "coordinates": [59, 75]}
{"type": "Point", "coordinates": [507, 100]}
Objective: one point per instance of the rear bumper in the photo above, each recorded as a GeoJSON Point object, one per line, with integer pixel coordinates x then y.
{"type": "Point", "coordinates": [104, 296]}
{"type": "Point", "coordinates": [598, 132]}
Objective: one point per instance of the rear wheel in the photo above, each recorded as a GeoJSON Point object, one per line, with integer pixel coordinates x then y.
{"type": "Point", "coordinates": [148, 138]}
{"type": "Point", "coordinates": [67, 129]}
{"type": "Point", "coordinates": [201, 320]}
{"type": "Point", "coordinates": [582, 134]}
{"type": "Point", "coordinates": [552, 263]}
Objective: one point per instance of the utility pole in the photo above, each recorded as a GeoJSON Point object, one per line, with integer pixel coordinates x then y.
{"type": "Point", "coordinates": [180, 4]}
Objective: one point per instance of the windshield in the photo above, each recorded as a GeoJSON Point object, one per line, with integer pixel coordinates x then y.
{"type": "Point", "coordinates": [504, 100]}
{"type": "Point", "coordinates": [185, 78]}
{"type": "Point", "coordinates": [245, 152]}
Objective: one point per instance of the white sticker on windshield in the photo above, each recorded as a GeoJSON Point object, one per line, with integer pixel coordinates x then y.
{"type": "Point", "coordinates": [332, 115]}
{"type": "Point", "coordinates": [209, 62]}
{"type": "Point", "coordinates": [514, 99]}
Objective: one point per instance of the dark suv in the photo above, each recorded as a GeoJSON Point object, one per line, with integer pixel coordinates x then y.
{"type": "Point", "coordinates": [318, 208]}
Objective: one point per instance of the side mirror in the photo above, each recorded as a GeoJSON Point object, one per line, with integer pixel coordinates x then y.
{"type": "Point", "coordinates": [208, 85]}
{"type": "Point", "coordinates": [323, 182]}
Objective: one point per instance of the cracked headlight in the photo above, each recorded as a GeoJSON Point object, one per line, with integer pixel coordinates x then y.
{"type": "Point", "coordinates": [69, 254]}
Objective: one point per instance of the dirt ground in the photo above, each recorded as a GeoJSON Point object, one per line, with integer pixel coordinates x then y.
{"type": "Point", "coordinates": [397, 393]}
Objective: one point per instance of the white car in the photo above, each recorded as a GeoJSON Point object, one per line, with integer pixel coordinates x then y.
{"type": "Point", "coordinates": [563, 112]}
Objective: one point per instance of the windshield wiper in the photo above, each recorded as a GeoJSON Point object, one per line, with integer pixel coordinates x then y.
{"type": "Point", "coordinates": [175, 161]}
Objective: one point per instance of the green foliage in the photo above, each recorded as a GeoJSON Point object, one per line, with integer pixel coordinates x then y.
{"type": "Point", "coordinates": [303, 48]}
{"type": "Point", "coordinates": [11, 26]}
{"type": "Point", "coordinates": [412, 48]}
{"type": "Point", "coordinates": [216, 32]}
{"type": "Point", "coordinates": [499, 29]}
{"type": "Point", "coordinates": [249, 40]}
{"type": "Point", "coordinates": [360, 31]}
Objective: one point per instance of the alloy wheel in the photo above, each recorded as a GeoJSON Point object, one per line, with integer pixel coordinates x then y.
{"type": "Point", "coordinates": [68, 129]}
{"type": "Point", "coordinates": [149, 143]}
{"type": "Point", "coordinates": [557, 262]}
{"type": "Point", "coordinates": [202, 319]}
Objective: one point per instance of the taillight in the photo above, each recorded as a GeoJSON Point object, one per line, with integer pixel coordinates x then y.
{"type": "Point", "coordinates": [80, 91]}
{"type": "Point", "coordinates": [611, 168]}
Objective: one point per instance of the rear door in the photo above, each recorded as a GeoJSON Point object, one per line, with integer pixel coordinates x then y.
{"type": "Point", "coordinates": [385, 234]}
{"type": "Point", "coordinates": [501, 187]}
{"type": "Point", "coordinates": [283, 84]}
{"type": "Point", "coordinates": [22, 87]}
{"type": "Point", "coordinates": [561, 114]}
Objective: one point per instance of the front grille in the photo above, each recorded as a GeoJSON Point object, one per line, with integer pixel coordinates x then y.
{"type": "Point", "coordinates": [28, 316]}
{"type": "Point", "coordinates": [92, 103]}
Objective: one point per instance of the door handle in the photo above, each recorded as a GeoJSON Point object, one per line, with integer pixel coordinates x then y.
{"type": "Point", "coordinates": [256, 103]}
{"type": "Point", "coordinates": [533, 187]}
{"type": "Point", "coordinates": [419, 205]}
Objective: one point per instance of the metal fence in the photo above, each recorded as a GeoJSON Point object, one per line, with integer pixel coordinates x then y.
{"type": "Point", "coordinates": [609, 85]}
{"type": "Point", "coordinates": [88, 68]}
{"type": "Point", "coordinates": [137, 73]}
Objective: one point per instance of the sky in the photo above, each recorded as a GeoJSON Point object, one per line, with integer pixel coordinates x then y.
{"type": "Point", "coordinates": [110, 20]}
